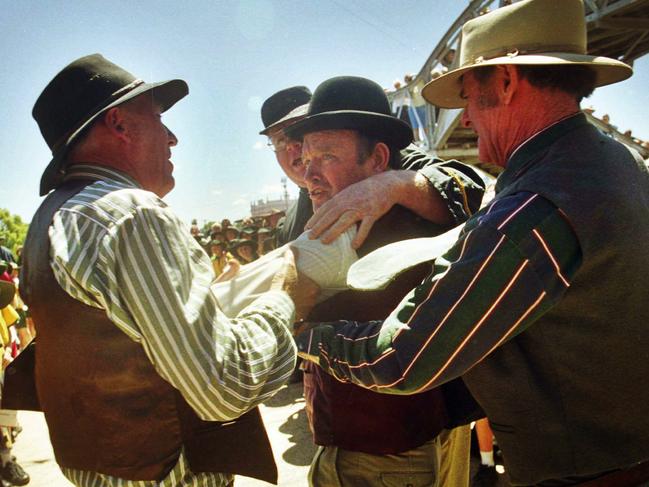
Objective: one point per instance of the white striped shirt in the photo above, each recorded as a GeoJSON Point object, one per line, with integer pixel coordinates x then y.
{"type": "Point", "coordinates": [117, 247]}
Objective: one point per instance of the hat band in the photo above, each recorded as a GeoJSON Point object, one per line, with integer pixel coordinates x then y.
{"type": "Point", "coordinates": [524, 50]}
{"type": "Point", "coordinates": [114, 96]}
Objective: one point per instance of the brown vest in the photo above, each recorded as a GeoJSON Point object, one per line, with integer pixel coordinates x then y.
{"type": "Point", "coordinates": [106, 407]}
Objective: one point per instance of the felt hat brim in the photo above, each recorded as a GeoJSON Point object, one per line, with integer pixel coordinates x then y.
{"type": "Point", "coordinates": [293, 115]}
{"type": "Point", "coordinates": [445, 90]}
{"type": "Point", "coordinates": [167, 93]}
{"type": "Point", "coordinates": [387, 128]}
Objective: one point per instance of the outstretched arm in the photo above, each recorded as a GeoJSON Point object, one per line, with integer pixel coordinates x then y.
{"type": "Point", "coordinates": [445, 193]}
{"type": "Point", "coordinates": [509, 267]}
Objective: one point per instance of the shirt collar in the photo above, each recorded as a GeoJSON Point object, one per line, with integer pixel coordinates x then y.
{"type": "Point", "coordinates": [526, 153]}
{"type": "Point", "coordinates": [100, 173]}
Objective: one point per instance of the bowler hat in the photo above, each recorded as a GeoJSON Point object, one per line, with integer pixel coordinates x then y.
{"type": "Point", "coordinates": [529, 32]}
{"type": "Point", "coordinates": [78, 94]}
{"type": "Point", "coordinates": [349, 102]}
{"type": "Point", "coordinates": [285, 105]}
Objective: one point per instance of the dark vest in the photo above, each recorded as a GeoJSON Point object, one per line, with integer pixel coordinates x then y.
{"type": "Point", "coordinates": [354, 418]}
{"type": "Point", "coordinates": [106, 407]}
{"type": "Point", "coordinates": [569, 395]}
{"type": "Point", "coordinates": [292, 225]}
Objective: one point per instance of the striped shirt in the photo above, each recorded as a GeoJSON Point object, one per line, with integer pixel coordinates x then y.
{"type": "Point", "coordinates": [117, 247]}
{"type": "Point", "coordinates": [513, 262]}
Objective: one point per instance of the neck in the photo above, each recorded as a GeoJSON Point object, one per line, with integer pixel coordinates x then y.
{"type": "Point", "coordinates": [533, 113]}
{"type": "Point", "coordinates": [107, 156]}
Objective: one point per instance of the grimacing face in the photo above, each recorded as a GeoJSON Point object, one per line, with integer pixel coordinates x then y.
{"type": "Point", "coordinates": [331, 161]}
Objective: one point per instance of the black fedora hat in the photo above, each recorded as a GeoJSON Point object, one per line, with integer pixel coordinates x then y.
{"type": "Point", "coordinates": [78, 94]}
{"type": "Point", "coordinates": [284, 105]}
{"type": "Point", "coordinates": [350, 102]}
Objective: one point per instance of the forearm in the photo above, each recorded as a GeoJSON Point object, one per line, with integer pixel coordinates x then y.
{"type": "Point", "coordinates": [222, 366]}
{"type": "Point", "coordinates": [414, 191]}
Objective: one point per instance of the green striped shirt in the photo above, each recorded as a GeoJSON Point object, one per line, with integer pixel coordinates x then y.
{"type": "Point", "coordinates": [513, 262]}
{"type": "Point", "coordinates": [117, 247]}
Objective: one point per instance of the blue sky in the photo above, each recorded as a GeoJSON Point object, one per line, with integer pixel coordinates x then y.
{"type": "Point", "coordinates": [233, 55]}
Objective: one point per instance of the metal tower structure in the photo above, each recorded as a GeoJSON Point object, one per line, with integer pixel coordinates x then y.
{"type": "Point", "coordinates": [616, 28]}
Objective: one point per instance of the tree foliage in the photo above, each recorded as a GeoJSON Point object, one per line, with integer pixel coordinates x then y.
{"type": "Point", "coordinates": [13, 229]}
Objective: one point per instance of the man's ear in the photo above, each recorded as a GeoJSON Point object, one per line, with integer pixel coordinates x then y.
{"type": "Point", "coordinates": [509, 82]}
{"type": "Point", "coordinates": [116, 123]}
{"type": "Point", "coordinates": [380, 158]}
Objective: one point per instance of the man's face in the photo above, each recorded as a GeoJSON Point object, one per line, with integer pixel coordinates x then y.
{"type": "Point", "coordinates": [487, 116]}
{"type": "Point", "coordinates": [332, 163]}
{"type": "Point", "coordinates": [289, 155]}
{"type": "Point", "coordinates": [150, 150]}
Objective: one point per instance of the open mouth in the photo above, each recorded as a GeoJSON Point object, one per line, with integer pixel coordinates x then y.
{"type": "Point", "coordinates": [316, 193]}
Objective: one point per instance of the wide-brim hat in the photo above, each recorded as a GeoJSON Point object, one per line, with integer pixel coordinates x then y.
{"type": "Point", "coordinates": [529, 32]}
{"type": "Point", "coordinates": [81, 92]}
{"type": "Point", "coordinates": [242, 242]}
{"type": "Point", "coordinates": [7, 292]}
{"type": "Point", "coordinates": [353, 103]}
{"type": "Point", "coordinates": [284, 106]}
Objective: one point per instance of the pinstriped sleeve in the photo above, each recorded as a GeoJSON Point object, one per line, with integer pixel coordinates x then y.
{"type": "Point", "coordinates": [458, 184]}
{"type": "Point", "coordinates": [154, 281]}
{"type": "Point", "coordinates": [513, 263]}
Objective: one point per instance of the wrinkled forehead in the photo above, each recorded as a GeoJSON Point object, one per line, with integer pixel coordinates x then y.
{"type": "Point", "coordinates": [329, 139]}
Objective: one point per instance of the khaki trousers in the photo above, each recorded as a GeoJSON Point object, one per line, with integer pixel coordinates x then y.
{"type": "Point", "coordinates": [441, 462]}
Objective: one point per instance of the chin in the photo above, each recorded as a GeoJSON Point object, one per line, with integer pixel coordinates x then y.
{"type": "Point", "coordinates": [166, 189]}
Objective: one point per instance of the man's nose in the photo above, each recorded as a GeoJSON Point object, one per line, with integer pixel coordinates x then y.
{"type": "Point", "coordinates": [173, 140]}
{"type": "Point", "coordinates": [311, 172]}
{"type": "Point", "coordinates": [466, 121]}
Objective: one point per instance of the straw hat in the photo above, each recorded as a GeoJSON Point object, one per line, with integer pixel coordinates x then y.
{"type": "Point", "coordinates": [530, 32]}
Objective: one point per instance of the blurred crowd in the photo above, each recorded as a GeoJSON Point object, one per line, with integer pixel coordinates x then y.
{"type": "Point", "coordinates": [16, 331]}
{"type": "Point", "coordinates": [232, 244]}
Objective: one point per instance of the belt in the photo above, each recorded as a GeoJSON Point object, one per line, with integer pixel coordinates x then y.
{"type": "Point", "coordinates": [633, 476]}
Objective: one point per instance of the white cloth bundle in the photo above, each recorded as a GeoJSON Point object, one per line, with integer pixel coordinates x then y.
{"type": "Point", "coordinates": [326, 265]}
